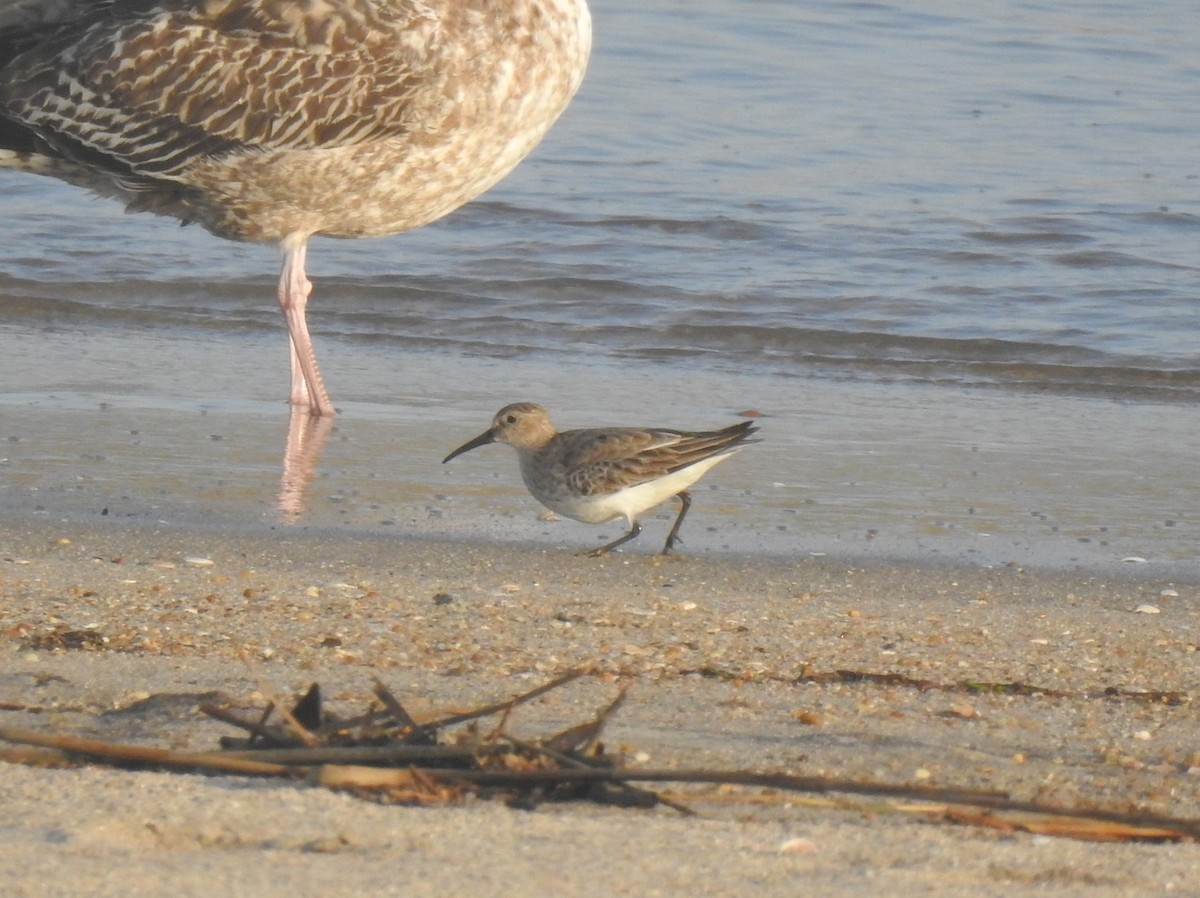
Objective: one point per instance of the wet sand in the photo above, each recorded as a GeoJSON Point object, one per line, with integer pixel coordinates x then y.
{"type": "Point", "coordinates": [731, 661]}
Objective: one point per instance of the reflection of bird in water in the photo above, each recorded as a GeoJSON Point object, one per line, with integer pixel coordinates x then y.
{"type": "Point", "coordinates": [305, 442]}
{"type": "Point", "coordinates": [601, 474]}
{"type": "Point", "coordinates": [266, 120]}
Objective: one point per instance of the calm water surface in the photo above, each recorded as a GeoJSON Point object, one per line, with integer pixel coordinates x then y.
{"type": "Point", "coordinates": [949, 248]}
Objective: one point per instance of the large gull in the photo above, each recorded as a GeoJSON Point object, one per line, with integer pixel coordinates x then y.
{"type": "Point", "coordinates": [267, 120]}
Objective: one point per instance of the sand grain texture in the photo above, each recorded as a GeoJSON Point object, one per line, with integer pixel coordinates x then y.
{"type": "Point", "coordinates": [733, 663]}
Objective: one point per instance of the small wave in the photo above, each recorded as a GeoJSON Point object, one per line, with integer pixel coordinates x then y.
{"type": "Point", "coordinates": [1101, 259]}
{"type": "Point", "coordinates": [1022, 238]}
{"type": "Point", "coordinates": [608, 317]}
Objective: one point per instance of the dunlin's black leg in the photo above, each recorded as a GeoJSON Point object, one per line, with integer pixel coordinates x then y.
{"type": "Point", "coordinates": [603, 550]}
{"type": "Point", "coordinates": [673, 536]}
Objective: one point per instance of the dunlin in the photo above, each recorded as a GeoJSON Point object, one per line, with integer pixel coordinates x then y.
{"type": "Point", "coordinates": [600, 474]}
{"type": "Point", "coordinates": [277, 121]}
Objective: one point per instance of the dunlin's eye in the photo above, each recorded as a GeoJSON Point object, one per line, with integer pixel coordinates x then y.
{"type": "Point", "coordinates": [511, 419]}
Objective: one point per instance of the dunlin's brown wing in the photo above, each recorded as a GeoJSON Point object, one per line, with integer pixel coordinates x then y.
{"type": "Point", "coordinates": [609, 460]}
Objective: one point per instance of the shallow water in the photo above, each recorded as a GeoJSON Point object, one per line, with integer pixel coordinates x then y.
{"type": "Point", "coordinates": [948, 251]}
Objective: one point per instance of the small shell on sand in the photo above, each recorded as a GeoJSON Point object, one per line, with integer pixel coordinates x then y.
{"type": "Point", "coordinates": [798, 846]}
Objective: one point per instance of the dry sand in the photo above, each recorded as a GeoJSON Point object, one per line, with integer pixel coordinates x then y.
{"type": "Point", "coordinates": [717, 649]}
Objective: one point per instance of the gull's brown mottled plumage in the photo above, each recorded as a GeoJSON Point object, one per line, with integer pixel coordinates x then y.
{"type": "Point", "coordinates": [599, 474]}
{"type": "Point", "coordinates": [275, 120]}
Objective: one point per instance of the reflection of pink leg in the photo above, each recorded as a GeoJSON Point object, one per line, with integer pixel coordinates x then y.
{"type": "Point", "coordinates": [308, 388]}
{"type": "Point", "coordinates": [305, 440]}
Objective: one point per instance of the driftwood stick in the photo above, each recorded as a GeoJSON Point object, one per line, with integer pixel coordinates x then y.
{"type": "Point", "coordinates": [257, 730]}
{"type": "Point", "coordinates": [501, 727]}
{"type": "Point", "coordinates": [118, 752]}
{"type": "Point", "coordinates": [494, 777]}
{"type": "Point", "coordinates": [397, 710]}
{"type": "Point", "coordinates": [377, 755]}
{"type": "Point", "coordinates": [489, 710]}
{"type": "Point", "coordinates": [568, 761]}
{"type": "Point", "coordinates": [33, 756]}
{"type": "Point", "coordinates": [986, 799]}
{"type": "Point", "coordinates": [299, 730]}
{"type": "Point", "coordinates": [581, 738]}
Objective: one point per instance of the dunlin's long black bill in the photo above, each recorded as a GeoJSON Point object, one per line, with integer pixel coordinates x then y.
{"type": "Point", "coordinates": [482, 440]}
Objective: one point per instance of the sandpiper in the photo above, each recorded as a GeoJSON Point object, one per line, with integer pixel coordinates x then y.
{"type": "Point", "coordinates": [600, 474]}
{"type": "Point", "coordinates": [276, 121]}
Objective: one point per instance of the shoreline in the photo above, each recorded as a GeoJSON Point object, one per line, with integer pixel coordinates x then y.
{"type": "Point", "coordinates": [519, 525]}
{"type": "Point", "coordinates": [844, 470]}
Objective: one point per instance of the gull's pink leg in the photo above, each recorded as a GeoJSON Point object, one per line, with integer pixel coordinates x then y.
{"type": "Point", "coordinates": [308, 388]}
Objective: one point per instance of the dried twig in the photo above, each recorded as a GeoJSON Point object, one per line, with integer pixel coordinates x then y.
{"type": "Point", "coordinates": [122, 753]}
{"type": "Point", "coordinates": [498, 707]}
{"type": "Point", "coordinates": [407, 724]}
{"type": "Point", "coordinates": [257, 730]}
{"type": "Point", "coordinates": [581, 738]}
{"type": "Point", "coordinates": [299, 730]}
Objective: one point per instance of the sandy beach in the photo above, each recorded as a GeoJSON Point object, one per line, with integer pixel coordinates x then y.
{"type": "Point", "coordinates": [993, 598]}
{"type": "Point", "coordinates": [731, 664]}
{"type": "Point", "coordinates": [956, 291]}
